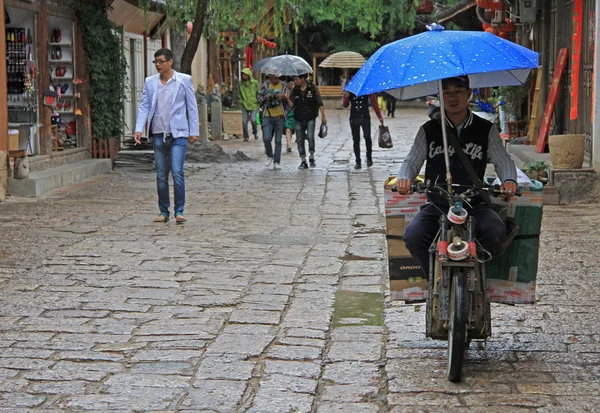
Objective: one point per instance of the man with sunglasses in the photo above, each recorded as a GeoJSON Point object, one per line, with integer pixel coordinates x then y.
{"type": "Point", "coordinates": [169, 105]}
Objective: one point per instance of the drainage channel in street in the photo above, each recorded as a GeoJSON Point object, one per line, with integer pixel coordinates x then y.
{"type": "Point", "coordinates": [353, 308]}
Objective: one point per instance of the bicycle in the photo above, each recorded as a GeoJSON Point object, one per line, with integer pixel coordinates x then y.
{"type": "Point", "coordinates": [457, 307]}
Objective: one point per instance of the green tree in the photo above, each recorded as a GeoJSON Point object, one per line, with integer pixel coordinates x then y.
{"type": "Point", "coordinates": [370, 18]}
{"type": "Point", "coordinates": [106, 66]}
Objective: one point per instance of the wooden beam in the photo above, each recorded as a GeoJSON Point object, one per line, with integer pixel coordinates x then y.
{"type": "Point", "coordinates": [84, 122]}
{"type": "Point", "coordinates": [41, 47]}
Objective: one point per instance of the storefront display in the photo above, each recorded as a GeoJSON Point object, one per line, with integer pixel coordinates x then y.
{"type": "Point", "coordinates": [63, 81]}
{"type": "Point", "coordinates": [21, 78]}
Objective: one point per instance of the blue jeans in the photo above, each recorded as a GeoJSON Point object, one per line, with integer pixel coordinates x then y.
{"type": "Point", "coordinates": [169, 154]}
{"type": "Point", "coordinates": [252, 115]}
{"type": "Point", "coordinates": [422, 229]}
{"type": "Point", "coordinates": [305, 130]}
{"type": "Point", "coordinates": [273, 127]}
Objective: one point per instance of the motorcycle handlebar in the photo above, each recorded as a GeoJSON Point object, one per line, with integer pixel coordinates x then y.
{"type": "Point", "coordinates": [495, 191]}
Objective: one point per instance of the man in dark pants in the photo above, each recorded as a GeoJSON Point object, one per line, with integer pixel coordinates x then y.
{"type": "Point", "coordinates": [390, 104]}
{"type": "Point", "coordinates": [481, 143]}
{"type": "Point", "coordinates": [361, 118]}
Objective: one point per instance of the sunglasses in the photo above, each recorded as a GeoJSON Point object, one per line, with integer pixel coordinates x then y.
{"type": "Point", "coordinates": [159, 62]}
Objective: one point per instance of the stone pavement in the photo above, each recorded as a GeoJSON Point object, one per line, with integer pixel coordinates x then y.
{"type": "Point", "coordinates": [272, 298]}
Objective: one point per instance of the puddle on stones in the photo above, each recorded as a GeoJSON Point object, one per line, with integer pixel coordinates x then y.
{"type": "Point", "coordinates": [353, 308]}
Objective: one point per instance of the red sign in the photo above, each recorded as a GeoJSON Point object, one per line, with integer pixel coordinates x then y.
{"type": "Point", "coordinates": [559, 69]}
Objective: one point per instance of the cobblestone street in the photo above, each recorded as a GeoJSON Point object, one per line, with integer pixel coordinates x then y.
{"type": "Point", "coordinates": [273, 297]}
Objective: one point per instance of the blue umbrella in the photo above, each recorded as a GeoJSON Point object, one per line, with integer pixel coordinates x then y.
{"type": "Point", "coordinates": [415, 66]}
{"type": "Point", "coordinates": [411, 67]}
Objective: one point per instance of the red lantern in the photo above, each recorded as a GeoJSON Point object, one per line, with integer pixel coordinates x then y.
{"type": "Point", "coordinates": [259, 39]}
{"type": "Point", "coordinates": [274, 45]}
{"type": "Point", "coordinates": [189, 26]}
{"type": "Point", "coordinates": [484, 4]}
{"type": "Point", "coordinates": [508, 27]}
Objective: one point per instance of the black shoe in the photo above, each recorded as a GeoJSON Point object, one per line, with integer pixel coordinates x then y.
{"type": "Point", "coordinates": [369, 163]}
{"type": "Point", "coordinates": [312, 163]}
{"type": "Point", "coordinates": [357, 166]}
{"type": "Point", "coordinates": [303, 165]}
{"type": "Point", "coordinates": [245, 139]}
{"type": "Point", "coordinates": [255, 137]}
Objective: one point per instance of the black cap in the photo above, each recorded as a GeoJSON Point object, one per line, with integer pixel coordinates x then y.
{"type": "Point", "coordinates": [460, 81]}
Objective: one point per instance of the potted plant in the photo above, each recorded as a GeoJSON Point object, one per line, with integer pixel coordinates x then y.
{"type": "Point", "coordinates": [537, 170]}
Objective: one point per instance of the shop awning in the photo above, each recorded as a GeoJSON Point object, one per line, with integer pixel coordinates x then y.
{"type": "Point", "coordinates": [125, 13]}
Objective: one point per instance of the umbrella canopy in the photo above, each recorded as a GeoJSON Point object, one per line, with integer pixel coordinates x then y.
{"type": "Point", "coordinates": [411, 67]}
{"type": "Point", "coordinates": [344, 60]}
{"type": "Point", "coordinates": [284, 65]}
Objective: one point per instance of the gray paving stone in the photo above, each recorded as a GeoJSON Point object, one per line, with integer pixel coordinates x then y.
{"type": "Point", "coordinates": [20, 400]}
{"type": "Point", "coordinates": [211, 395]}
{"type": "Point", "coordinates": [349, 393]}
{"type": "Point", "coordinates": [276, 400]}
{"type": "Point", "coordinates": [347, 407]}
{"type": "Point", "coordinates": [307, 369]}
{"type": "Point", "coordinates": [224, 368]}
{"type": "Point", "coordinates": [124, 380]}
{"type": "Point", "coordinates": [165, 355]}
{"type": "Point", "coordinates": [297, 353]}
{"type": "Point", "coordinates": [352, 373]}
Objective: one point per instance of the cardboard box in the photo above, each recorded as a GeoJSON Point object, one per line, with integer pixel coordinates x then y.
{"type": "Point", "coordinates": [407, 281]}
{"type": "Point", "coordinates": [13, 140]}
{"type": "Point", "coordinates": [395, 225]}
{"type": "Point", "coordinates": [511, 277]}
{"type": "Point", "coordinates": [396, 247]}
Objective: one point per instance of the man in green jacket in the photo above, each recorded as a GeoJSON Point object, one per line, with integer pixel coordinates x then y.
{"type": "Point", "coordinates": [247, 96]}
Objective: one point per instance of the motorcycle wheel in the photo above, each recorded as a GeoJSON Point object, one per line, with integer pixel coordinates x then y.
{"type": "Point", "coordinates": [457, 328]}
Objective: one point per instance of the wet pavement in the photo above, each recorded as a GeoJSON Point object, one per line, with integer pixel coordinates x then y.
{"type": "Point", "coordinates": [273, 297]}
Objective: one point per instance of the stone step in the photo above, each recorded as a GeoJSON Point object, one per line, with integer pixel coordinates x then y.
{"type": "Point", "coordinates": [40, 182]}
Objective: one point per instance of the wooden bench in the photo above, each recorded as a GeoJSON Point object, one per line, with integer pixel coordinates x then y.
{"type": "Point", "coordinates": [330, 91]}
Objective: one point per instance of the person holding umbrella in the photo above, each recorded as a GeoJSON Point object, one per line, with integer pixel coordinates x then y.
{"type": "Point", "coordinates": [481, 143]}
{"type": "Point", "coordinates": [273, 98]}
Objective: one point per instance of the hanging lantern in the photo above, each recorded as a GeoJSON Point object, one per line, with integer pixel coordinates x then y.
{"type": "Point", "coordinates": [508, 27]}
{"type": "Point", "coordinates": [274, 45]}
{"type": "Point", "coordinates": [189, 26]}
{"type": "Point", "coordinates": [259, 39]}
{"type": "Point", "coordinates": [484, 4]}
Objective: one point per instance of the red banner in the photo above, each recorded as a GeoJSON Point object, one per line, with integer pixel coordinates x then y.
{"type": "Point", "coordinates": [576, 58]}
{"type": "Point", "coordinates": [559, 69]}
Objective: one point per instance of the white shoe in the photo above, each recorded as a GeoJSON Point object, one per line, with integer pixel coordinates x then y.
{"type": "Point", "coordinates": [268, 162]}
{"type": "Point", "coordinates": [276, 165]}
